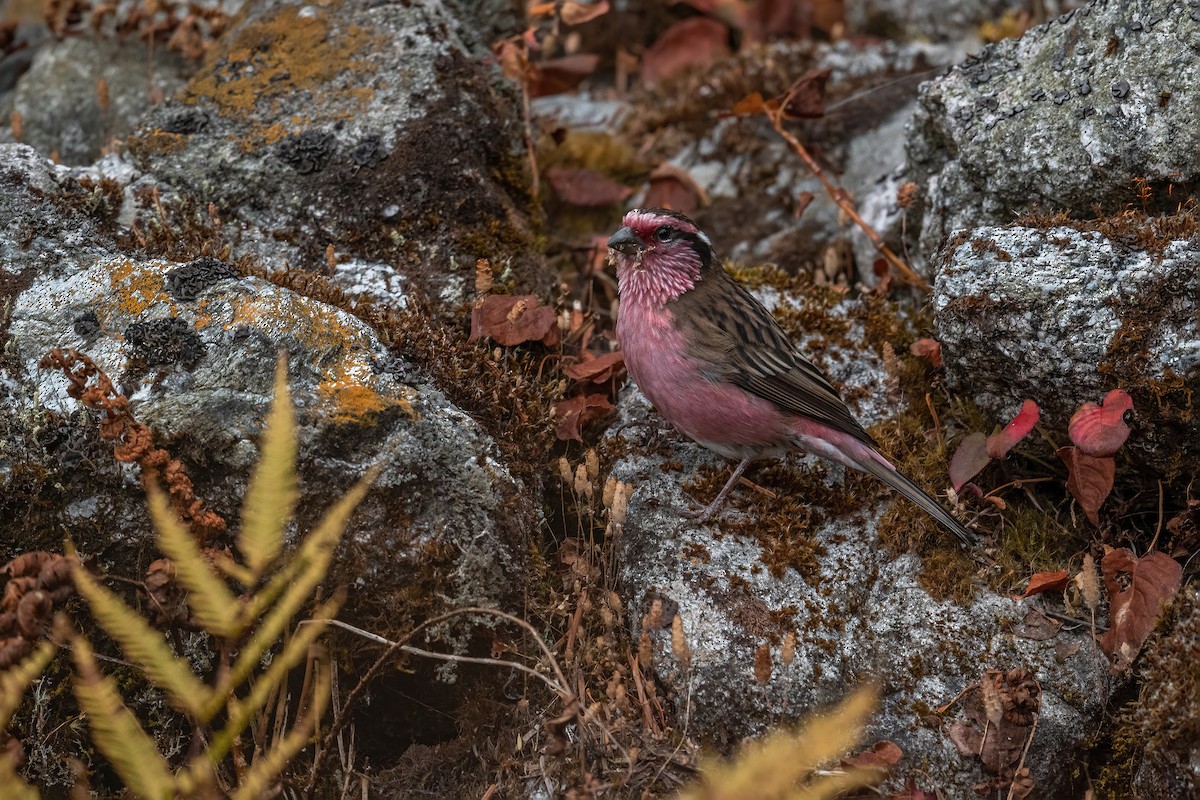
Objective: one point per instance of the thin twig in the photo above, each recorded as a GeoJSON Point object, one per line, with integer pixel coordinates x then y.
{"type": "Point", "coordinates": [1012, 786]}
{"type": "Point", "coordinates": [839, 196]}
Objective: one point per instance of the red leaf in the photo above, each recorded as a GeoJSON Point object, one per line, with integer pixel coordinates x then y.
{"type": "Point", "coordinates": [1101, 430]}
{"type": "Point", "coordinates": [750, 105]}
{"type": "Point", "coordinates": [928, 348]}
{"type": "Point", "coordinates": [576, 13]}
{"type": "Point", "coordinates": [1045, 582]}
{"type": "Point", "coordinates": [998, 444]}
{"type": "Point", "coordinates": [671, 187]}
{"type": "Point", "coordinates": [882, 756]}
{"type": "Point", "coordinates": [1089, 479]}
{"type": "Point", "coordinates": [586, 187]}
{"type": "Point", "coordinates": [596, 369]}
{"type": "Point", "coordinates": [694, 42]}
{"type": "Point", "coordinates": [1137, 590]}
{"type": "Point", "coordinates": [511, 320]}
{"type": "Point", "coordinates": [576, 412]}
{"type": "Point", "coordinates": [970, 457]}
{"type": "Point", "coordinates": [557, 75]}
{"type": "Point", "coordinates": [805, 99]}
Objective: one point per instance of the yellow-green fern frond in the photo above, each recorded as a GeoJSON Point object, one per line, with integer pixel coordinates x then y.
{"type": "Point", "coordinates": [775, 767]}
{"type": "Point", "coordinates": [15, 680]}
{"type": "Point", "coordinates": [12, 784]}
{"type": "Point", "coordinates": [242, 711]}
{"type": "Point", "coordinates": [116, 731]}
{"type": "Point", "coordinates": [306, 569]}
{"type": "Point", "coordinates": [271, 496]}
{"type": "Point", "coordinates": [266, 768]}
{"type": "Point", "coordinates": [144, 646]}
{"type": "Point", "coordinates": [213, 605]}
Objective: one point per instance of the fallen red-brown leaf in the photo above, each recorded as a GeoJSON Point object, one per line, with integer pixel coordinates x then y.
{"type": "Point", "coordinates": [929, 349]}
{"type": "Point", "coordinates": [512, 319]}
{"type": "Point", "coordinates": [576, 412]}
{"type": "Point", "coordinates": [881, 755]}
{"type": "Point", "coordinates": [597, 369]}
{"type": "Point", "coordinates": [1089, 479]}
{"type": "Point", "coordinates": [558, 75]}
{"type": "Point", "coordinates": [586, 187]}
{"type": "Point", "coordinates": [692, 43]}
{"type": "Point", "coordinates": [1045, 582]}
{"type": "Point", "coordinates": [671, 187]}
{"type": "Point", "coordinates": [1138, 588]}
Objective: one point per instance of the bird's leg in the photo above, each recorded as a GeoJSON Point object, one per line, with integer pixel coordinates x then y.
{"type": "Point", "coordinates": [702, 514]}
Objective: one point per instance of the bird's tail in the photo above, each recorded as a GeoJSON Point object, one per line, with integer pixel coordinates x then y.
{"type": "Point", "coordinates": [902, 484]}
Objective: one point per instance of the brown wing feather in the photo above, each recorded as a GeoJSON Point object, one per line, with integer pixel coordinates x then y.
{"type": "Point", "coordinates": [731, 330]}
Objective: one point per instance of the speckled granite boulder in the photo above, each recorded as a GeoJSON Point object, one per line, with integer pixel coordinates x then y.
{"type": "Point", "coordinates": [62, 107]}
{"type": "Point", "coordinates": [1062, 316]}
{"type": "Point", "coordinates": [193, 345]}
{"type": "Point", "coordinates": [1066, 117]}
{"type": "Point", "coordinates": [811, 562]}
{"type": "Point", "coordinates": [374, 129]}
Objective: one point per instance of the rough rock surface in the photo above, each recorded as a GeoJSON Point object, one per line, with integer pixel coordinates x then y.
{"type": "Point", "coordinates": [932, 20]}
{"type": "Point", "coordinates": [63, 109]}
{"type": "Point", "coordinates": [376, 130]}
{"type": "Point", "coordinates": [858, 612]}
{"type": "Point", "coordinates": [1066, 117]}
{"type": "Point", "coordinates": [193, 345]}
{"type": "Point", "coordinates": [1062, 316]}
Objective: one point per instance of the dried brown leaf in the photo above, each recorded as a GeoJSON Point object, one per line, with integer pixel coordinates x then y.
{"type": "Point", "coordinates": [574, 413]}
{"type": "Point", "coordinates": [597, 369]}
{"type": "Point", "coordinates": [511, 320]}
{"type": "Point", "coordinates": [581, 186]}
{"type": "Point", "coordinates": [689, 44]}
{"type": "Point", "coordinates": [1089, 480]}
{"type": "Point", "coordinates": [1137, 590]}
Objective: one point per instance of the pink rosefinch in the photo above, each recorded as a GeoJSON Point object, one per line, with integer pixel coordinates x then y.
{"type": "Point", "coordinates": [716, 365]}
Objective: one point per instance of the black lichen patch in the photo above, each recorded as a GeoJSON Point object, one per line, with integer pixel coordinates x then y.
{"type": "Point", "coordinates": [163, 342]}
{"type": "Point", "coordinates": [185, 283]}
{"type": "Point", "coordinates": [87, 325]}
{"type": "Point", "coordinates": [369, 153]}
{"type": "Point", "coordinates": [307, 153]}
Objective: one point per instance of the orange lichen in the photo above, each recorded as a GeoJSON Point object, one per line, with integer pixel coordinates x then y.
{"type": "Point", "coordinates": [135, 288]}
{"type": "Point", "coordinates": [284, 52]}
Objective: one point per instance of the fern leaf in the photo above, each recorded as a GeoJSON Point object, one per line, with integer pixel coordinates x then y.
{"type": "Point", "coordinates": [143, 645]}
{"type": "Point", "coordinates": [117, 733]}
{"type": "Point", "coordinates": [213, 605]}
{"type": "Point", "coordinates": [13, 784]}
{"type": "Point", "coordinates": [306, 570]}
{"type": "Point", "coordinates": [275, 676]}
{"type": "Point", "coordinates": [271, 495]}
{"type": "Point", "coordinates": [14, 681]}
{"type": "Point", "coordinates": [772, 769]}
{"type": "Point", "coordinates": [266, 768]}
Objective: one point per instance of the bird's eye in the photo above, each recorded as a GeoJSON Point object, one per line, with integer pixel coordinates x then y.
{"type": "Point", "coordinates": [665, 234]}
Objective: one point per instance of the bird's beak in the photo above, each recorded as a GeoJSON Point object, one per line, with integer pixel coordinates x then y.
{"type": "Point", "coordinates": [625, 241]}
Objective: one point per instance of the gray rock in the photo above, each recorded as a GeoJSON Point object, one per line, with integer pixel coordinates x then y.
{"type": "Point", "coordinates": [376, 129]}
{"type": "Point", "coordinates": [858, 612]}
{"type": "Point", "coordinates": [939, 20]}
{"type": "Point", "coordinates": [60, 102]}
{"type": "Point", "coordinates": [1062, 316]}
{"type": "Point", "coordinates": [1067, 117]}
{"type": "Point", "coordinates": [194, 347]}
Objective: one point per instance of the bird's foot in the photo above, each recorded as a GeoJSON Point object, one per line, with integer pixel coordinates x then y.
{"type": "Point", "coordinates": [701, 513]}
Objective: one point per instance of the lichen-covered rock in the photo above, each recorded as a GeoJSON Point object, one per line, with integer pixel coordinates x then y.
{"type": "Point", "coordinates": [1063, 315]}
{"type": "Point", "coordinates": [858, 612]}
{"type": "Point", "coordinates": [194, 346]}
{"type": "Point", "coordinates": [374, 129]}
{"type": "Point", "coordinates": [1067, 117]}
{"type": "Point", "coordinates": [81, 93]}
{"type": "Point", "coordinates": [939, 20]}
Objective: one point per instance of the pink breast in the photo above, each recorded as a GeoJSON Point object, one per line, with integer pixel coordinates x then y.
{"type": "Point", "coordinates": [718, 415]}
